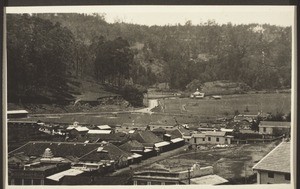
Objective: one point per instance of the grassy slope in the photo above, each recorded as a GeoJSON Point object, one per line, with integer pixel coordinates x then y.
{"type": "Point", "coordinates": [82, 90]}
{"type": "Point", "coordinates": [272, 102]}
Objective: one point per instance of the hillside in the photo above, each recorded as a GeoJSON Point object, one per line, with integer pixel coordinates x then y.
{"type": "Point", "coordinates": [48, 53]}
{"type": "Point", "coordinates": [87, 96]}
{"type": "Point", "coordinates": [224, 88]}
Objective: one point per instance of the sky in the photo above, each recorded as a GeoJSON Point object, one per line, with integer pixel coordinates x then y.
{"type": "Point", "coordinates": [171, 15]}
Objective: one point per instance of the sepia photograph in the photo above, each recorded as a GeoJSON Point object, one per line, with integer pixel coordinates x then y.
{"type": "Point", "coordinates": [150, 95]}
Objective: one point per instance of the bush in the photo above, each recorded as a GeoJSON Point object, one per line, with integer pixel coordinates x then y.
{"type": "Point", "coordinates": [134, 94]}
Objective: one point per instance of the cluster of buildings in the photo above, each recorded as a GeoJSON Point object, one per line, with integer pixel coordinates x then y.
{"type": "Point", "coordinates": [84, 151]}
{"type": "Point", "coordinates": [163, 176]}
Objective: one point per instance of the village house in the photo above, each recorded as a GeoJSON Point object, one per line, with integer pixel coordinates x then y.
{"type": "Point", "coordinates": [197, 94]}
{"type": "Point", "coordinates": [274, 128]}
{"type": "Point", "coordinates": [147, 138]}
{"type": "Point", "coordinates": [209, 137]}
{"type": "Point", "coordinates": [110, 154]}
{"type": "Point", "coordinates": [275, 167]}
{"type": "Point", "coordinates": [136, 147]}
{"type": "Point", "coordinates": [76, 130]}
{"type": "Point", "coordinates": [179, 132]}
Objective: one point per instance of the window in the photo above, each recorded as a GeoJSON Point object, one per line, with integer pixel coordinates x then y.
{"type": "Point", "coordinates": [264, 129]}
{"type": "Point", "coordinates": [188, 140]}
{"type": "Point", "coordinates": [195, 141]}
{"type": "Point", "coordinates": [203, 139]}
{"type": "Point", "coordinates": [208, 138]}
{"type": "Point", "coordinates": [287, 176]}
{"type": "Point", "coordinates": [270, 175]}
{"type": "Point", "coordinates": [217, 139]}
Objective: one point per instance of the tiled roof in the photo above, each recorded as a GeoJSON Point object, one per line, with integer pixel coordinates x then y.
{"type": "Point", "coordinates": [58, 149]}
{"type": "Point", "coordinates": [274, 124]}
{"type": "Point", "coordinates": [113, 137]}
{"type": "Point", "coordinates": [132, 145]}
{"type": "Point", "coordinates": [183, 130]}
{"type": "Point", "coordinates": [159, 130]}
{"type": "Point", "coordinates": [98, 180]}
{"type": "Point", "coordinates": [199, 135]}
{"type": "Point", "coordinates": [175, 133]}
{"type": "Point", "coordinates": [215, 133]}
{"type": "Point", "coordinates": [278, 160]}
{"type": "Point", "coordinates": [110, 152]}
{"type": "Point", "coordinates": [146, 137]}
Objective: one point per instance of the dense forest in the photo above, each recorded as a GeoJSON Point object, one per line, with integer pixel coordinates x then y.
{"type": "Point", "coordinates": [46, 50]}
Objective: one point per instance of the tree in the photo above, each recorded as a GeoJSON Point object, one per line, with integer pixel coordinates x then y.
{"type": "Point", "coordinates": [113, 60]}
{"type": "Point", "coordinates": [39, 55]}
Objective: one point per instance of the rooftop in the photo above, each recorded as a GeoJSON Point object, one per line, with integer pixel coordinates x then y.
{"type": "Point", "coordinates": [99, 131]}
{"type": "Point", "coordinates": [177, 140]}
{"type": "Point", "coordinates": [146, 137]}
{"type": "Point", "coordinates": [215, 133]}
{"type": "Point", "coordinates": [108, 152]}
{"type": "Point", "coordinates": [209, 180]}
{"type": "Point", "coordinates": [161, 144]}
{"type": "Point", "coordinates": [60, 175]}
{"type": "Point", "coordinates": [274, 124]}
{"type": "Point", "coordinates": [58, 149]}
{"type": "Point", "coordinates": [278, 160]}
{"type": "Point", "coordinates": [104, 127]}
{"type": "Point", "coordinates": [199, 135]}
{"type": "Point", "coordinates": [132, 145]}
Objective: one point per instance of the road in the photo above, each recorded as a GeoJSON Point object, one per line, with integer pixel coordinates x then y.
{"type": "Point", "coordinates": [152, 104]}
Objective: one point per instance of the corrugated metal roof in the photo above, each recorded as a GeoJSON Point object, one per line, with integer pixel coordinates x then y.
{"type": "Point", "coordinates": [81, 129]}
{"type": "Point", "coordinates": [278, 160]}
{"type": "Point", "coordinates": [209, 180]}
{"type": "Point", "coordinates": [160, 144]}
{"type": "Point", "coordinates": [99, 131]}
{"type": "Point", "coordinates": [274, 124]}
{"type": "Point", "coordinates": [135, 155]}
{"type": "Point", "coordinates": [177, 140]}
{"type": "Point", "coordinates": [104, 127]}
{"type": "Point", "coordinates": [226, 130]}
{"type": "Point", "coordinates": [69, 172]}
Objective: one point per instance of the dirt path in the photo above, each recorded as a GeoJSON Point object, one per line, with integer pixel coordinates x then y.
{"type": "Point", "coordinates": [152, 104]}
